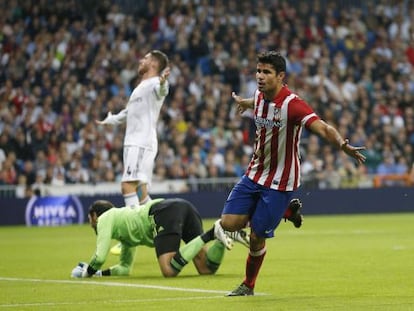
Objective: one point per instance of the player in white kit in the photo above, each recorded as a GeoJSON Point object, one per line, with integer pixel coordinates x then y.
{"type": "Point", "coordinates": [141, 114]}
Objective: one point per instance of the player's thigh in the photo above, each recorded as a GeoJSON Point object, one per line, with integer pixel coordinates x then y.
{"type": "Point", "coordinates": [177, 216]}
{"type": "Point", "coordinates": [269, 211]}
{"type": "Point", "coordinates": [138, 164]}
{"type": "Point", "coordinates": [166, 246]}
{"type": "Point", "coordinates": [242, 198]}
{"type": "Point", "coordinates": [192, 223]}
{"type": "Point", "coordinates": [231, 222]}
{"type": "Point", "coordinates": [240, 204]}
{"type": "Point", "coordinates": [166, 241]}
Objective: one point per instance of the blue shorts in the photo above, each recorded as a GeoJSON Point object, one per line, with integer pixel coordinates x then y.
{"type": "Point", "coordinates": [264, 206]}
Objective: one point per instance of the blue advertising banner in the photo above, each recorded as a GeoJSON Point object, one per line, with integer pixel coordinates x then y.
{"type": "Point", "coordinates": [54, 211]}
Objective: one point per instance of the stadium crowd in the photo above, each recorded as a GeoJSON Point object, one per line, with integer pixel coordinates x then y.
{"type": "Point", "coordinates": [64, 64]}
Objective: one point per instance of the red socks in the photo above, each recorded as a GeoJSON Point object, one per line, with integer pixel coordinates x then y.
{"type": "Point", "coordinates": [253, 264]}
{"type": "Point", "coordinates": [288, 213]}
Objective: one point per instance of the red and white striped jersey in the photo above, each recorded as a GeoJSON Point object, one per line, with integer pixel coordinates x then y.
{"type": "Point", "coordinates": [275, 161]}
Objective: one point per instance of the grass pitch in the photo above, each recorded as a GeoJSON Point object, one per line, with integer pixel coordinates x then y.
{"type": "Point", "coordinates": [357, 262]}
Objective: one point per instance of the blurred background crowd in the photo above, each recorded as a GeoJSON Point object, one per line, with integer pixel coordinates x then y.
{"type": "Point", "coordinates": [65, 64]}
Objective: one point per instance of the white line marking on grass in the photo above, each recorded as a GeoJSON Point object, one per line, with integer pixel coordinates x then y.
{"type": "Point", "coordinates": [334, 232]}
{"type": "Point", "coordinates": [399, 247]}
{"type": "Point", "coordinates": [43, 304]}
{"type": "Point", "coordinates": [116, 284]}
{"type": "Point", "coordinates": [89, 282]}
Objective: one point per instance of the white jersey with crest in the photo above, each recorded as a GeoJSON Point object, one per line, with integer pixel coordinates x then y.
{"type": "Point", "coordinates": [144, 107]}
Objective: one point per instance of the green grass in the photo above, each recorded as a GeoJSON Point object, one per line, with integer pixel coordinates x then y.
{"type": "Point", "coordinates": [354, 262]}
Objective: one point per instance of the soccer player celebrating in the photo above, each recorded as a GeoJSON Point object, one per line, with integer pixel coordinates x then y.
{"type": "Point", "coordinates": [141, 115]}
{"type": "Point", "coordinates": [263, 194]}
{"type": "Point", "coordinates": [140, 141]}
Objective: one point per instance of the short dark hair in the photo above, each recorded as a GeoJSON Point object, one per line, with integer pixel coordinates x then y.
{"type": "Point", "coordinates": [99, 207]}
{"type": "Point", "coordinates": [273, 58]}
{"type": "Point", "coordinates": [161, 58]}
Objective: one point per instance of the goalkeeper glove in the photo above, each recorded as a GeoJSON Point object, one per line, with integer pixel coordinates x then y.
{"type": "Point", "coordinates": [80, 271]}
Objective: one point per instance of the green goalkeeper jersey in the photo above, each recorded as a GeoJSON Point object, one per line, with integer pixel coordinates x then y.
{"type": "Point", "coordinates": [130, 226]}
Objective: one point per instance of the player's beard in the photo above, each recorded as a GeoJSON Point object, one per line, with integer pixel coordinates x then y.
{"type": "Point", "coordinates": [142, 70]}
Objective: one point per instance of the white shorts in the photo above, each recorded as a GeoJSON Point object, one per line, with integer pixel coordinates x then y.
{"type": "Point", "coordinates": [138, 164]}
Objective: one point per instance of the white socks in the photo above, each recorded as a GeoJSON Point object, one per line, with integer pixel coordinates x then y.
{"type": "Point", "coordinates": [131, 199]}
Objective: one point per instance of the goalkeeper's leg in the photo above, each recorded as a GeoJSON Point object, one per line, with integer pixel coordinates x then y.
{"type": "Point", "coordinates": [180, 220]}
{"type": "Point", "coordinates": [206, 260]}
{"type": "Point", "coordinates": [172, 262]}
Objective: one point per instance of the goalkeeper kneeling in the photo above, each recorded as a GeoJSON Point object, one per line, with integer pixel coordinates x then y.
{"type": "Point", "coordinates": [160, 223]}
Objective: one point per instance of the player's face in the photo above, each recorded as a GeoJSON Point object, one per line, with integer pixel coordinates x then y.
{"type": "Point", "coordinates": [93, 220]}
{"type": "Point", "coordinates": [268, 81]}
{"type": "Point", "coordinates": [144, 64]}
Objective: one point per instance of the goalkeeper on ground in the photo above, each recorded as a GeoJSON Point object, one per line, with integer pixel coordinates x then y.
{"type": "Point", "coordinates": [162, 224]}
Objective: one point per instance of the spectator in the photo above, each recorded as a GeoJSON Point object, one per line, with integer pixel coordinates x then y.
{"type": "Point", "coordinates": [411, 175]}
{"type": "Point", "coordinates": [2, 157]}
{"type": "Point", "coordinates": [29, 171]}
{"type": "Point", "coordinates": [39, 187]}
{"type": "Point", "coordinates": [387, 166]}
{"type": "Point", "coordinates": [61, 72]}
{"type": "Point", "coordinates": [21, 187]}
{"type": "Point", "coordinates": [349, 175]}
{"type": "Point", "coordinates": [9, 176]}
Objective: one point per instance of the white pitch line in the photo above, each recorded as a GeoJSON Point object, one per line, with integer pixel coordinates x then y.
{"type": "Point", "coordinates": [333, 232]}
{"type": "Point", "coordinates": [115, 284]}
{"type": "Point", "coordinates": [89, 282]}
{"type": "Point", "coordinates": [43, 304]}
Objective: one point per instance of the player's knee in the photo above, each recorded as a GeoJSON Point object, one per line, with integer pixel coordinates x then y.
{"type": "Point", "coordinates": [121, 270]}
{"type": "Point", "coordinates": [231, 223]}
{"type": "Point", "coordinates": [129, 186]}
{"type": "Point", "coordinates": [168, 272]}
{"type": "Point", "coordinates": [176, 264]}
{"type": "Point", "coordinates": [257, 242]}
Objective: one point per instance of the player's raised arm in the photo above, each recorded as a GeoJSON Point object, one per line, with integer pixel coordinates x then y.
{"type": "Point", "coordinates": [163, 88]}
{"type": "Point", "coordinates": [243, 103]}
{"type": "Point", "coordinates": [113, 119]}
{"type": "Point", "coordinates": [164, 75]}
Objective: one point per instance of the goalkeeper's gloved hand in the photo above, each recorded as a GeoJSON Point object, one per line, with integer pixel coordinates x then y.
{"type": "Point", "coordinates": [80, 271]}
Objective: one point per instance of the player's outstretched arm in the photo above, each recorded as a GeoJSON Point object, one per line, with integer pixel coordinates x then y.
{"type": "Point", "coordinates": [243, 103]}
{"type": "Point", "coordinates": [330, 134]}
{"type": "Point", "coordinates": [113, 119]}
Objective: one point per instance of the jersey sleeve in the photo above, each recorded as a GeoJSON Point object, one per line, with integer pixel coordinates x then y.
{"type": "Point", "coordinates": [125, 263]}
{"type": "Point", "coordinates": [161, 90]}
{"type": "Point", "coordinates": [116, 119]}
{"type": "Point", "coordinates": [302, 113]}
{"type": "Point", "coordinates": [103, 240]}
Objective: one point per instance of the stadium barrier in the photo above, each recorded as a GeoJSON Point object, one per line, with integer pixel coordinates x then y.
{"type": "Point", "coordinates": [69, 209]}
{"type": "Point", "coordinates": [393, 180]}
